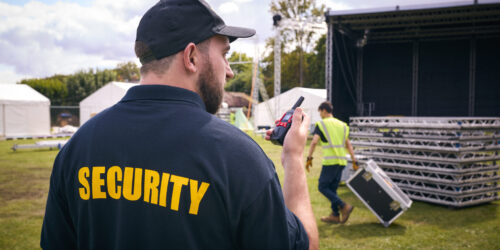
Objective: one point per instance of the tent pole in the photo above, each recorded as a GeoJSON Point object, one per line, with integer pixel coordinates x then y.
{"type": "Point", "coordinates": [254, 76]}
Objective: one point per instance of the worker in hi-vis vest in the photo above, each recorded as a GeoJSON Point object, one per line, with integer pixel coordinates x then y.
{"type": "Point", "coordinates": [333, 134]}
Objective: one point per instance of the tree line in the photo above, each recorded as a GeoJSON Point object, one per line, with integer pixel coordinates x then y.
{"type": "Point", "coordinates": [69, 90]}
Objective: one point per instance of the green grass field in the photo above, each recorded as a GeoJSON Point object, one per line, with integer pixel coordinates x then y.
{"type": "Point", "coordinates": [24, 183]}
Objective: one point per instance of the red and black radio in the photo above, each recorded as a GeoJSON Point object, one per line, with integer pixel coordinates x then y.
{"type": "Point", "coordinates": [284, 124]}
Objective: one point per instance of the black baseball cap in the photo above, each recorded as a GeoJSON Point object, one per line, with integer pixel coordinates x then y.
{"type": "Point", "coordinates": [170, 25]}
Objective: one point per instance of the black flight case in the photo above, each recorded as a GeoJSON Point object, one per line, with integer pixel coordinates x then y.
{"type": "Point", "coordinates": [377, 191]}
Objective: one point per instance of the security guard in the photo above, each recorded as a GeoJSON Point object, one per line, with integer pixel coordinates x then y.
{"type": "Point", "coordinates": [159, 171]}
{"type": "Point", "coordinates": [334, 139]}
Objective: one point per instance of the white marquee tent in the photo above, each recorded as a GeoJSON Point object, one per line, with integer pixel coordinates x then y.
{"type": "Point", "coordinates": [23, 111]}
{"type": "Point", "coordinates": [312, 99]}
{"type": "Point", "coordinates": [103, 98]}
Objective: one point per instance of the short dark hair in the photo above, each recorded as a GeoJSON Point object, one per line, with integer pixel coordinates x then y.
{"type": "Point", "coordinates": [327, 106]}
{"type": "Point", "coordinates": [159, 67]}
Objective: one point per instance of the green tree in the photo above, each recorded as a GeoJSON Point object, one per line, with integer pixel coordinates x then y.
{"type": "Point", "coordinates": [289, 74]}
{"type": "Point", "coordinates": [71, 89]}
{"type": "Point", "coordinates": [298, 37]}
{"type": "Point", "coordinates": [80, 85]}
{"type": "Point", "coordinates": [103, 77]}
{"type": "Point", "coordinates": [243, 72]}
{"type": "Point", "coordinates": [52, 88]}
{"type": "Point", "coordinates": [128, 72]}
{"type": "Point", "coordinates": [314, 68]}
{"type": "Point", "coordinates": [85, 82]}
{"type": "Point", "coordinates": [316, 64]}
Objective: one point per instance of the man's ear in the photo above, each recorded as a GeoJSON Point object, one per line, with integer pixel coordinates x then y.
{"type": "Point", "coordinates": [190, 58]}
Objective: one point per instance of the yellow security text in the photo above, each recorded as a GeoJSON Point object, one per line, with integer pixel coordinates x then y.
{"type": "Point", "coordinates": [132, 184]}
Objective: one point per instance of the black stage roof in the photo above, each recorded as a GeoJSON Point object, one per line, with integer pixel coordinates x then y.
{"type": "Point", "coordinates": [449, 20]}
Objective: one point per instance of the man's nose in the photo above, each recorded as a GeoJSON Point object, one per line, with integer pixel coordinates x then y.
{"type": "Point", "coordinates": [229, 72]}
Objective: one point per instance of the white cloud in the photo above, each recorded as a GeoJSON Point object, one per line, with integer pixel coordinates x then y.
{"type": "Point", "coordinates": [41, 40]}
{"type": "Point", "coordinates": [334, 5]}
{"type": "Point", "coordinates": [8, 76]}
{"type": "Point", "coordinates": [250, 46]}
{"type": "Point", "coordinates": [228, 7]}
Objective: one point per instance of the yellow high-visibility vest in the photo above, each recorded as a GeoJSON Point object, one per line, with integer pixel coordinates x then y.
{"type": "Point", "coordinates": [336, 133]}
{"type": "Point", "coordinates": [232, 118]}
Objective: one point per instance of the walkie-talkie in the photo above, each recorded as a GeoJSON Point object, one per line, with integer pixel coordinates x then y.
{"type": "Point", "coordinates": [284, 124]}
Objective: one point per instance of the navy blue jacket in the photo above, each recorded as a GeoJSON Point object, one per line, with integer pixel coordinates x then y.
{"type": "Point", "coordinates": [156, 171]}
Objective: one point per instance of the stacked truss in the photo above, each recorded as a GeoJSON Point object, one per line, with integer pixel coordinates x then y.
{"type": "Point", "coordinates": [446, 160]}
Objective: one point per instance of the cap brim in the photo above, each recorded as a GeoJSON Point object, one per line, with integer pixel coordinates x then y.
{"type": "Point", "coordinates": [235, 32]}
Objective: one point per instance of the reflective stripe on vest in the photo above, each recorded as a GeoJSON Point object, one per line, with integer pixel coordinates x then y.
{"type": "Point", "coordinates": [328, 138]}
{"type": "Point", "coordinates": [336, 157]}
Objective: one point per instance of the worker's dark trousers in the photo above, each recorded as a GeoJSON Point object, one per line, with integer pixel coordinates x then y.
{"type": "Point", "coordinates": [328, 183]}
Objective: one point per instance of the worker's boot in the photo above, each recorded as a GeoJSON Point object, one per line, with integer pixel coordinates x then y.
{"type": "Point", "coordinates": [345, 212]}
{"type": "Point", "coordinates": [331, 219]}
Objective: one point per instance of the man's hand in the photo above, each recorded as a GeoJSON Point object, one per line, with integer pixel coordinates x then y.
{"type": "Point", "coordinates": [295, 139]}
{"type": "Point", "coordinates": [355, 165]}
{"type": "Point", "coordinates": [309, 163]}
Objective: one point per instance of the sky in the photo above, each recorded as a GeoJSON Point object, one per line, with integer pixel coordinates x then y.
{"type": "Point", "coordinates": [40, 38]}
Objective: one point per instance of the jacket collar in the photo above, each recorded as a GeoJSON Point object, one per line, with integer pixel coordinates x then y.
{"type": "Point", "coordinates": [163, 93]}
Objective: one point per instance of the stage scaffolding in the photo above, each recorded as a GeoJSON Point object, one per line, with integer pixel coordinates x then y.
{"type": "Point", "coordinates": [451, 161]}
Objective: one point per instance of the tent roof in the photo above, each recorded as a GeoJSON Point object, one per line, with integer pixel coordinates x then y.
{"type": "Point", "coordinates": [20, 93]}
{"type": "Point", "coordinates": [120, 87]}
{"type": "Point", "coordinates": [267, 112]}
{"type": "Point", "coordinates": [317, 92]}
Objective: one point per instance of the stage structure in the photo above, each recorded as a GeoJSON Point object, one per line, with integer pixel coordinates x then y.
{"type": "Point", "coordinates": [451, 161]}
{"type": "Point", "coordinates": [427, 60]}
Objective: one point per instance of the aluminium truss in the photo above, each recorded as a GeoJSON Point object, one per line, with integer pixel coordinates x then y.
{"type": "Point", "coordinates": [440, 177]}
{"type": "Point", "coordinates": [442, 157]}
{"type": "Point", "coordinates": [447, 189]}
{"type": "Point", "coordinates": [460, 201]}
{"type": "Point", "coordinates": [446, 160]}
{"type": "Point", "coordinates": [428, 145]}
{"type": "Point", "coordinates": [432, 179]}
{"type": "Point", "coordinates": [458, 135]}
{"type": "Point", "coordinates": [438, 167]}
{"type": "Point", "coordinates": [440, 123]}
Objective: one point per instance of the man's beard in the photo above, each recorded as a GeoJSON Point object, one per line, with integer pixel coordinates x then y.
{"type": "Point", "coordinates": [209, 90]}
